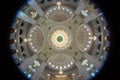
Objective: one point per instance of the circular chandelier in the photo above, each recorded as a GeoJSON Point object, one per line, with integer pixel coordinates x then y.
{"type": "Point", "coordinates": [59, 40]}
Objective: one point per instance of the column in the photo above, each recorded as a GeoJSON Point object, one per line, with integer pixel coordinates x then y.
{"type": "Point", "coordinates": [39, 72]}
{"type": "Point", "coordinates": [28, 62]}
{"type": "Point", "coordinates": [25, 17]}
{"type": "Point", "coordinates": [81, 6]}
{"type": "Point", "coordinates": [82, 70]}
{"type": "Point", "coordinates": [92, 60]}
{"type": "Point", "coordinates": [35, 6]}
{"type": "Point", "coordinates": [91, 16]}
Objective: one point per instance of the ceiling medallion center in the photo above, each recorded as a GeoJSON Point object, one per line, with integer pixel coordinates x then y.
{"type": "Point", "coordinates": [59, 38]}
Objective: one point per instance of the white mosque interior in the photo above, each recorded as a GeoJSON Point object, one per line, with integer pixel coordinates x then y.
{"type": "Point", "coordinates": [59, 39]}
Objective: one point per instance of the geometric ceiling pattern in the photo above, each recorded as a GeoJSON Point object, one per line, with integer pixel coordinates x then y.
{"type": "Point", "coordinates": [59, 40]}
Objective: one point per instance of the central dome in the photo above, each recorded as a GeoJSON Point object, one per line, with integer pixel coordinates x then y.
{"type": "Point", "coordinates": [60, 39]}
